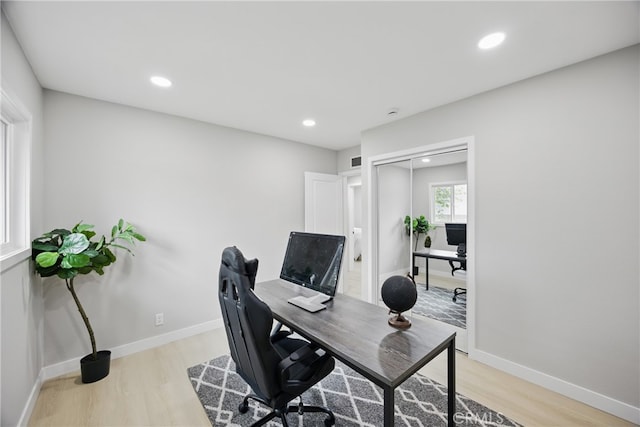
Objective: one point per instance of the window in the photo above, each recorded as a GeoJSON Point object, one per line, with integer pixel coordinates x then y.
{"type": "Point", "coordinates": [449, 202]}
{"type": "Point", "coordinates": [15, 143]}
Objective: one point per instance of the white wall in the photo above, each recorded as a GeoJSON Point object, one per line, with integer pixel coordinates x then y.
{"type": "Point", "coordinates": [556, 164]}
{"type": "Point", "coordinates": [344, 158]}
{"type": "Point", "coordinates": [20, 292]}
{"type": "Point", "coordinates": [192, 188]}
{"type": "Point", "coordinates": [394, 183]}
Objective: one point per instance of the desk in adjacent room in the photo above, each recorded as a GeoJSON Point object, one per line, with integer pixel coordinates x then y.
{"type": "Point", "coordinates": [450, 256]}
{"type": "Point", "coordinates": [357, 333]}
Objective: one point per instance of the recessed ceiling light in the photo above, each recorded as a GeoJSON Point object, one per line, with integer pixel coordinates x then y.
{"type": "Point", "coordinates": [425, 160]}
{"type": "Point", "coordinates": [309, 123]}
{"type": "Point", "coordinates": [161, 81]}
{"type": "Point", "coordinates": [492, 40]}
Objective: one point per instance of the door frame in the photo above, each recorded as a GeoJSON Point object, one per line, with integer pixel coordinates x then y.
{"type": "Point", "coordinates": [347, 194]}
{"type": "Point", "coordinates": [372, 162]}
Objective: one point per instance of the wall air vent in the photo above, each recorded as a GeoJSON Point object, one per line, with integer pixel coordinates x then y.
{"type": "Point", "coordinates": [356, 162]}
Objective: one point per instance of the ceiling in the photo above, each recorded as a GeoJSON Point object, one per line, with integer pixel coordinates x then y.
{"type": "Point", "coordinates": [265, 66]}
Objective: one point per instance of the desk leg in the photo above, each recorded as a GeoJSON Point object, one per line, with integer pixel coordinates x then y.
{"type": "Point", "coordinates": [426, 271]}
{"type": "Point", "coordinates": [389, 407]}
{"type": "Point", "coordinates": [451, 383]}
{"type": "Point", "coordinates": [413, 267]}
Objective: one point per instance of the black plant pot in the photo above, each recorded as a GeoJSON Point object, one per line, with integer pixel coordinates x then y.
{"type": "Point", "coordinates": [95, 369]}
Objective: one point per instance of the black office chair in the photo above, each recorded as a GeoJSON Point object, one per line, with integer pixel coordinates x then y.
{"type": "Point", "coordinates": [278, 368]}
{"type": "Point", "coordinates": [458, 291]}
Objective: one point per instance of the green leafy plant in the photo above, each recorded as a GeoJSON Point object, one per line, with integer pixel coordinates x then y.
{"type": "Point", "coordinates": [68, 253]}
{"type": "Point", "coordinates": [419, 225]}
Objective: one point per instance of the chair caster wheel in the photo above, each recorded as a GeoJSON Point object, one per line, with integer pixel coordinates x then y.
{"type": "Point", "coordinates": [243, 407]}
{"type": "Point", "coordinates": [328, 422]}
{"type": "Point", "coordinates": [454, 299]}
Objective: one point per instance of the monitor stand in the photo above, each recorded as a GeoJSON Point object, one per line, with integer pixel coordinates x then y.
{"type": "Point", "coordinates": [312, 304]}
{"type": "Point", "coordinates": [319, 299]}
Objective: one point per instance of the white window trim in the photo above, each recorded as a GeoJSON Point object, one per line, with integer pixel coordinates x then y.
{"type": "Point", "coordinates": [432, 207]}
{"type": "Point", "coordinates": [18, 246]}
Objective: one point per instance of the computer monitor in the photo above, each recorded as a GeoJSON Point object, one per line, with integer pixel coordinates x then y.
{"type": "Point", "coordinates": [313, 261]}
{"type": "Point", "coordinates": [457, 236]}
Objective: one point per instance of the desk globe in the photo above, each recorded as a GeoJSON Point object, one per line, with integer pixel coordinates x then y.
{"type": "Point", "coordinates": [399, 293]}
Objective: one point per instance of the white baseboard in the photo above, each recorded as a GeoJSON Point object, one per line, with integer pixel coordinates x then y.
{"type": "Point", "coordinates": [31, 401]}
{"type": "Point", "coordinates": [72, 365]}
{"type": "Point", "coordinates": [576, 392]}
{"type": "Point", "coordinates": [446, 275]}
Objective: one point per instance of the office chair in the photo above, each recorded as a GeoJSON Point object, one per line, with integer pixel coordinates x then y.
{"type": "Point", "coordinates": [462, 266]}
{"type": "Point", "coordinates": [462, 271]}
{"type": "Point", "coordinates": [278, 368]}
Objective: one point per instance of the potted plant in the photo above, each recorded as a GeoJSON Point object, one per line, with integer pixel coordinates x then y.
{"type": "Point", "coordinates": [419, 225]}
{"type": "Point", "coordinates": [68, 253]}
{"type": "Point", "coordinates": [427, 228]}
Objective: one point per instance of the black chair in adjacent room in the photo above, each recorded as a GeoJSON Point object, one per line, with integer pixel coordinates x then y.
{"type": "Point", "coordinates": [459, 291]}
{"type": "Point", "coordinates": [462, 268]}
{"type": "Point", "coordinates": [457, 236]}
{"type": "Point", "coordinates": [462, 265]}
{"type": "Point", "coordinates": [277, 367]}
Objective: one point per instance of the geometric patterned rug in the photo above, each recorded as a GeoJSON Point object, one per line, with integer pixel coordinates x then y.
{"type": "Point", "coordinates": [437, 303]}
{"type": "Point", "coordinates": [354, 400]}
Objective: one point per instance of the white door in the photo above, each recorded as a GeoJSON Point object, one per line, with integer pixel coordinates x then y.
{"type": "Point", "coordinates": [323, 203]}
{"type": "Point", "coordinates": [323, 208]}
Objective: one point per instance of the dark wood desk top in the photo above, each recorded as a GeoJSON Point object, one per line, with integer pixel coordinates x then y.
{"type": "Point", "coordinates": [357, 333]}
{"type": "Point", "coordinates": [439, 254]}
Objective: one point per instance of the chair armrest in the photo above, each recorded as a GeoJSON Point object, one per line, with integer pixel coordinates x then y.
{"type": "Point", "coordinates": [279, 335]}
{"type": "Point", "coordinates": [306, 363]}
{"type": "Point", "coordinates": [297, 357]}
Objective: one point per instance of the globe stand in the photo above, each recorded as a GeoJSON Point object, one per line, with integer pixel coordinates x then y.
{"type": "Point", "coordinates": [398, 321]}
{"type": "Point", "coordinates": [399, 293]}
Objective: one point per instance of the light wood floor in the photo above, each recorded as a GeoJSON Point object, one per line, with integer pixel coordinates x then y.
{"type": "Point", "coordinates": [151, 388]}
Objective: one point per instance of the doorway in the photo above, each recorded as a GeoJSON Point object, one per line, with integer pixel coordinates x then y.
{"type": "Point", "coordinates": [402, 185]}
{"type": "Point", "coordinates": [333, 205]}
{"type": "Point", "coordinates": [352, 267]}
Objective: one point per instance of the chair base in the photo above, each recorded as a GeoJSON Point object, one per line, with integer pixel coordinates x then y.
{"type": "Point", "coordinates": [458, 291]}
{"type": "Point", "coordinates": [282, 412]}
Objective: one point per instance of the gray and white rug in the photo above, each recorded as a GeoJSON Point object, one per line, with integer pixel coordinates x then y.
{"type": "Point", "coordinates": [437, 303]}
{"type": "Point", "coordinates": [354, 400]}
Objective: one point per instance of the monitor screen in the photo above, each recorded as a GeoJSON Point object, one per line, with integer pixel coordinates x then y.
{"type": "Point", "coordinates": [456, 233]}
{"type": "Point", "coordinates": [313, 261]}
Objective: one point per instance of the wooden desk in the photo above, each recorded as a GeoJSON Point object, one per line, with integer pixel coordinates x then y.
{"type": "Point", "coordinates": [437, 254]}
{"type": "Point", "coordinates": [357, 333]}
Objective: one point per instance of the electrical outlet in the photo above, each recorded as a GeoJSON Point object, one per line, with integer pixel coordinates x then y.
{"type": "Point", "coordinates": [159, 319]}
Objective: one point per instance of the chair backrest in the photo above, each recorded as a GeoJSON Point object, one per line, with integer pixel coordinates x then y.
{"type": "Point", "coordinates": [248, 321]}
